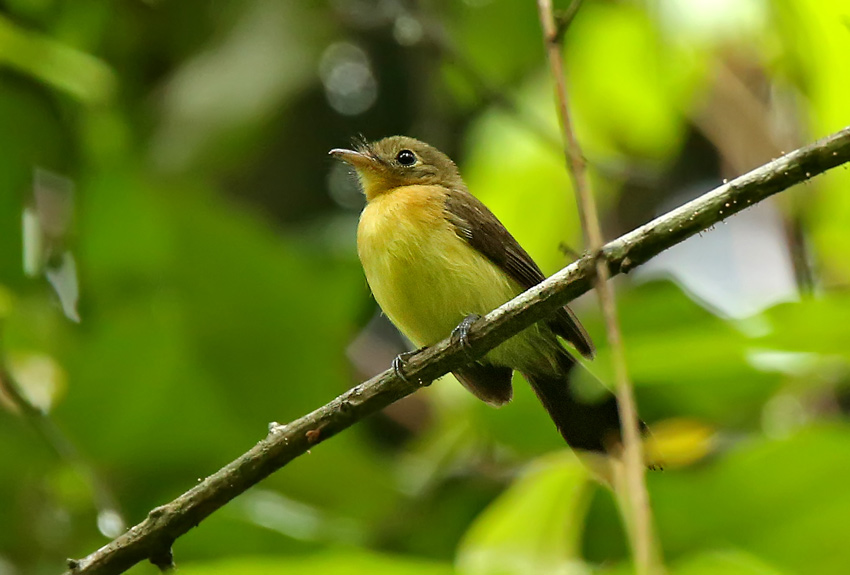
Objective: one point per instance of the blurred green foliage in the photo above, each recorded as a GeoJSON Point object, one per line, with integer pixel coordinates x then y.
{"type": "Point", "coordinates": [219, 288]}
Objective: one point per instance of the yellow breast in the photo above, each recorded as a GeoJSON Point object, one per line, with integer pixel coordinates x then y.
{"type": "Point", "coordinates": [425, 278]}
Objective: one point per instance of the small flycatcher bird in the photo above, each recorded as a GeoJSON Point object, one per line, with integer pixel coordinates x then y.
{"type": "Point", "coordinates": [436, 259]}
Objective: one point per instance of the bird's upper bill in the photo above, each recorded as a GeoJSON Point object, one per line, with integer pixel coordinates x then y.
{"type": "Point", "coordinates": [358, 160]}
{"type": "Point", "coordinates": [375, 179]}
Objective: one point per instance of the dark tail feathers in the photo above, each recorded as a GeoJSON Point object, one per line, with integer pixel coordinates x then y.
{"type": "Point", "coordinates": [588, 426]}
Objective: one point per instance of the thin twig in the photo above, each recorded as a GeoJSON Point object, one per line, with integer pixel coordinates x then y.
{"type": "Point", "coordinates": [563, 20]}
{"type": "Point", "coordinates": [633, 480]}
{"type": "Point", "coordinates": [153, 536]}
{"type": "Point", "coordinates": [104, 500]}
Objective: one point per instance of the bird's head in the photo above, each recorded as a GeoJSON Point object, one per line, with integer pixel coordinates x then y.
{"type": "Point", "coordinates": [398, 161]}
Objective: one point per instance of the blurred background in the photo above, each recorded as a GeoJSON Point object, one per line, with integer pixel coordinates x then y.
{"type": "Point", "coordinates": [178, 269]}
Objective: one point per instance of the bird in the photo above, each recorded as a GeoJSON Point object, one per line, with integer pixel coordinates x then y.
{"type": "Point", "coordinates": [437, 259]}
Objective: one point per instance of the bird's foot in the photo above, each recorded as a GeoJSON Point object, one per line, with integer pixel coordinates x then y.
{"type": "Point", "coordinates": [400, 360]}
{"type": "Point", "coordinates": [461, 334]}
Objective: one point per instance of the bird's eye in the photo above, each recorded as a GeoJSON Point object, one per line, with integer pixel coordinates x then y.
{"type": "Point", "coordinates": [406, 158]}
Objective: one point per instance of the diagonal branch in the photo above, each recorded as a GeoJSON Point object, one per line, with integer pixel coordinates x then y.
{"type": "Point", "coordinates": [152, 538]}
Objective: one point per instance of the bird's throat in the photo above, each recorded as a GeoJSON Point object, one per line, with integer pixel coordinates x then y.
{"type": "Point", "coordinates": [375, 184]}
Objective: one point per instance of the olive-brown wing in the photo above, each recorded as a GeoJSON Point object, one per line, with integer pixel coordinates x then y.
{"type": "Point", "coordinates": [481, 229]}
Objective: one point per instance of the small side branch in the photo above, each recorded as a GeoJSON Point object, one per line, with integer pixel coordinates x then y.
{"type": "Point", "coordinates": [65, 449]}
{"type": "Point", "coordinates": [166, 524]}
{"type": "Point", "coordinates": [630, 482]}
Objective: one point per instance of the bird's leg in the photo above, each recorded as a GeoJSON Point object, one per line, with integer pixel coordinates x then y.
{"type": "Point", "coordinates": [461, 334]}
{"type": "Point", "coordinates": [400, 360]}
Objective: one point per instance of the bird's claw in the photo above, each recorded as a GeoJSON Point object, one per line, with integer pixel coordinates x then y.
{"type": "Point", "coordinates": [400, 360]}
{"type": "Point", "coordinates": [461, 334]}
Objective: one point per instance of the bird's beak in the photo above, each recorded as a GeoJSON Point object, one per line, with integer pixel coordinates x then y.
{"type": "Point", "coordinates": [357, 159]}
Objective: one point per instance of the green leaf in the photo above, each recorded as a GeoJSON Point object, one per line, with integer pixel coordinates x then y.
{"type": "Point", "coordinates": [725, 562]}
{"type": "Point", "coordinates": [819, 325]}
{"type": "Point", "coordinates": [330, 563]}
{"type": "Point", "coordinates": [81, 75]}
{"type": "Point", "coordinates": [786, 501]}
{"type": "Point", "coordinates": [729, 562]}
{"type": "Point", "coordinates": [535, 526]}
{"type": "Point", "coordinates": [684, 360]}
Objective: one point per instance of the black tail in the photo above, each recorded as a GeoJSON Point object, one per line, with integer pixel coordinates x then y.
{"type": "Point", "coordinates": [592, 426]}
